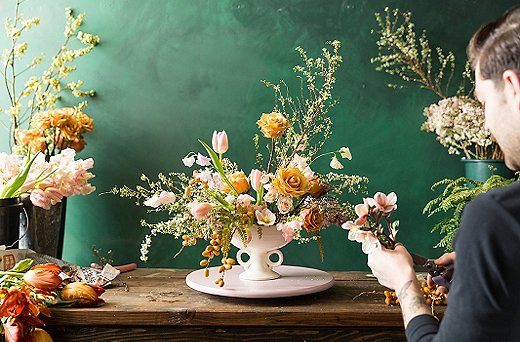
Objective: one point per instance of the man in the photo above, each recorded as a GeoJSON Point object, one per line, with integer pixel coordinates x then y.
{"type": "Point", "coordinates": [484, 300]}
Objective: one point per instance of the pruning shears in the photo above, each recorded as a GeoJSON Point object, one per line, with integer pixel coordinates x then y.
{"type": "Point", "coordinates": [441, 275]}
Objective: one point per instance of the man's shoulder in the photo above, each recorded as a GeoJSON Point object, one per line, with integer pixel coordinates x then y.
{"type": "Point", "coordinates": [507, 197]}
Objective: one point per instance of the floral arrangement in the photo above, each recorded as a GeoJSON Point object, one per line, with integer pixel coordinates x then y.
{"type": "Point", "coordinates": [26, 292]}
{"type": "Point", "coordinates": [47, 182]}
{"type": "Point", "coordinates": [41, 93]}
{"type": "Point", "coordinates": [457, 120]}
{"type": "Point", "coordinates": [219, 199]}
{"type": "Point", "coordinates": [373, 226]}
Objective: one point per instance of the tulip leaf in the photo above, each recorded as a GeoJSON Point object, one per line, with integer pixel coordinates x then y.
{"type": "Point", "coordinates": [218, 165]}
{"type": "Point", "coordinates": [22, 265]}
{"type": "Point", "coordinates": [12, 187]}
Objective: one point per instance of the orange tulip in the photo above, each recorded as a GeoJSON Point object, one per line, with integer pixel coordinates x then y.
{"type": "Point", "coordinates": [43, 279]}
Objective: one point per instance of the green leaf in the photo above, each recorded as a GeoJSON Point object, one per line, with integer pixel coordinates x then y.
{"type": "Point", "coordinates": [12, 187]}
{"type": "Point", "coordinates": [218, 165]}
{"type": "Point", "coordinates": [22, 265]}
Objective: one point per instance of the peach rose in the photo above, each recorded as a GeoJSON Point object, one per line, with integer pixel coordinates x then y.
{"type": "Point", "coordinates": [291, 182]}
{"type": "Point", "coordinates": [239, 181]}
{"type": "Point", "coordinates": [312, 219]}
{"type": "Point", "coordinates": [273, 125]}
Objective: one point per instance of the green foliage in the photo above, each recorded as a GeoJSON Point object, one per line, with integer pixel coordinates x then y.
{"type": "Point", "coordinates": [456, 194]}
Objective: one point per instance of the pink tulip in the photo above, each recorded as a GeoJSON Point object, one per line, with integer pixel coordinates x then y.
{"type": "Point", "coordinates": [220, 142]}
{"type": "Point", "coordinates": [199, 210]}
{"type": "Point", "coordinates": [256, 179]}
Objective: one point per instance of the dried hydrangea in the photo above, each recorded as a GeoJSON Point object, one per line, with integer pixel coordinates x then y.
{"type": "Point", "coordinates": [459, 124]}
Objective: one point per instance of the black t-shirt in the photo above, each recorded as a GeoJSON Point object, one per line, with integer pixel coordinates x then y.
{"type": "Point", "coordinates": [484, 300]}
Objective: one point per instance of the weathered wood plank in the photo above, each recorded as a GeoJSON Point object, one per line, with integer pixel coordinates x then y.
{"type": "Point", "coordinates": [224, 333]}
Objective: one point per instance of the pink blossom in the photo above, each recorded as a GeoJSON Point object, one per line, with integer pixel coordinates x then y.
{"type": "Point", "coordinates": [255, 177]}
{"type": "Point", "coordinates": [202, 160]}
{"type": "Point", "coordinates": [265, 217]}
{"type": "Point", "coordinates": [362, 210]}
{"type": "Point", "coordinates": [367, 238]}
{"type": "Point", "coordinates": [244, 200]}
{"type": "Point", "coordinates": [290, 229]}
{"type": "Point", "coordinates": [272, 193]}
{"type": "Point", "coordinates": [385, 203]}
{"type": "Point", "coordinates": [220, 142]}
{"type": "Point", "coordinates": [199, 210]}
{"type": "Point", "coordinates": [165, 197]}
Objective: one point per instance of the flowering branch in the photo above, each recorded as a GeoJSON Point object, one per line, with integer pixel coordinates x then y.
{"type": "Point", "coordinates": [368, 229]}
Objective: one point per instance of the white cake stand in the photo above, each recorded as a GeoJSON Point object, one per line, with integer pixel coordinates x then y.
{"type": "Point", "coordinates": [294, 281]}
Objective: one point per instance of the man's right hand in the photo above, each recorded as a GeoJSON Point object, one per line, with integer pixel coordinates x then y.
{"type": "Point", "coordinates": [444, 260]}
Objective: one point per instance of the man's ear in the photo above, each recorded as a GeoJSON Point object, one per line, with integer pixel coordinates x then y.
{"type": "Point", "coordinates": [512, 87]}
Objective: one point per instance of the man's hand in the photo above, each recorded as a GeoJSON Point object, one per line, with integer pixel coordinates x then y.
{"type": "Point", "coordinates": [394, 269]}
{"type": "Point", "coordinates": [444, 260]}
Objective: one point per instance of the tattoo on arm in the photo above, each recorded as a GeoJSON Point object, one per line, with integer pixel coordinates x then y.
{"type": "Point", "coordinates": [412, 302]}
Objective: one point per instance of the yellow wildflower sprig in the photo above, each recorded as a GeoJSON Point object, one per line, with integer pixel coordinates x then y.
{"type": "Point", "coordinates": [42, 92]}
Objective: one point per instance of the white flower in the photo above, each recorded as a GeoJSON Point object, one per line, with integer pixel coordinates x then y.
{"type": "Point", "coordinates": [202, 160]}
{"type": "Point", "coordinates": [188, 161]}
{"type": "Point", "coordinates": [345, 153]}
{"type": "Point", "coordinates": [301, 164]}
{"type": "Point", "coordinates": [284, 204]}
{"type": "Point", "coordinates": [265, 217]}
{"type": "Point", "coordinates": [335, 163]}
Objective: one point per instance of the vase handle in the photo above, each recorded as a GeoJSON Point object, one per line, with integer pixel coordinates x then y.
{"type": "Point", "coordinates": [246, 264]}
{"type": "Point", "coordinates": [280, 258]}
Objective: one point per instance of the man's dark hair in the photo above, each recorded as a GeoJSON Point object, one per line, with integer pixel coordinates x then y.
{"type": "Point", "coordinates": [496, 46]}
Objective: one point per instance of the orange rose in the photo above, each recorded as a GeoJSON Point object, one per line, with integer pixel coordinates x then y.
{"type": "Point", "coordinates": [273, 125]}
{"type": "Point", "coordinates": [317, 188]}
{"type": "Point", "coordinates": [239, 181]}
{"type": "Point", "coordinates": [291, 182]}
{"type": "Point", "coordinates": [312, 219]}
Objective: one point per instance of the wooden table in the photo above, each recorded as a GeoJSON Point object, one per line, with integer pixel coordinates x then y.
{"type": "Point", "coordinates": [160, 306]}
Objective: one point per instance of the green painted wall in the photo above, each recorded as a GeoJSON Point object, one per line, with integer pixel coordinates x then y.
{"type": "Point", "coordinates": [169, 71]}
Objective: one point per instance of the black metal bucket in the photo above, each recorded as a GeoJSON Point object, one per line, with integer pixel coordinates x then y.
{"type": "Point", "coordinates": [10, 210]}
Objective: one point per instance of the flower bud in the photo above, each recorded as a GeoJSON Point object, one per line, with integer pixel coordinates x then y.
{"type": "Point", "coordinates": [84, 294]}
{"type": "Point", "coordinates": [42, 279]}
{"type": "Point", "coordinates": [220, 142]}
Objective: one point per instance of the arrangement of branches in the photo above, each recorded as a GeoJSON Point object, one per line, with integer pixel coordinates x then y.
{"type": "Point", "coordinates": [408, 55]}
{"type": "Point", "coordinates": [40, 93]}
{"type": "Point", "coordinates": [456, 194]}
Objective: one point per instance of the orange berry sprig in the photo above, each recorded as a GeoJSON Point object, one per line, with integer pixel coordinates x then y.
{"type": "Point", "coordinates": [211, 251]}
